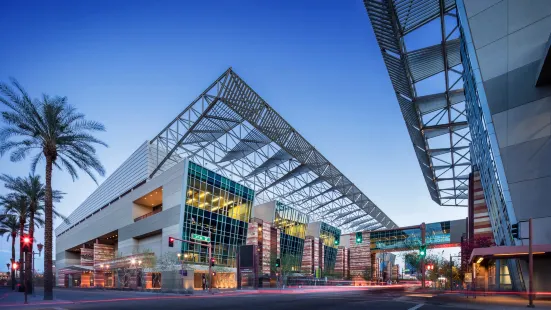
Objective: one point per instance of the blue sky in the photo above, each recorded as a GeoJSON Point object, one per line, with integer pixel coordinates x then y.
{"type": "Point", "coordinates": [134, 65]}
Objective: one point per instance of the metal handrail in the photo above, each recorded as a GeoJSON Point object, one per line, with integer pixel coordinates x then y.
{"type": "Point", "coordinates": [139, 218]}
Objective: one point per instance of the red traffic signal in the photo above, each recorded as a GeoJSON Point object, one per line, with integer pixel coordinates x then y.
{"type": "Point", "coordinates": [212, 261]}
{"type": "Point", "coordinates": [15, 266]}
{"type": "Point", "coordinates": [26, 243]}
{"type": "Point", "coordinates": [171, 242]}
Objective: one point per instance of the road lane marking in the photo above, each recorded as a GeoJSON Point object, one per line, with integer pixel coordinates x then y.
{"type": "Point", "coordinates": [416, 307]}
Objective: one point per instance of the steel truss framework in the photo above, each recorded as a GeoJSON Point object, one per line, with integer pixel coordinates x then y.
{"type": "Point", "coordinates": [231, 130]}
{"type": "Point", "coordinates": [436, 121]}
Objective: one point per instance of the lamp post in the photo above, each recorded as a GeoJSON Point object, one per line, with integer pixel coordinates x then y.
{"type": "Point", "coordinates": [8, 265]}
{"type": "Point", "coordinates": [39, 246]}
{"type": "Point", "coordinates": [13, 267]}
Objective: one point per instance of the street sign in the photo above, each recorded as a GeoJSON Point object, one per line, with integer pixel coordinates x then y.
{"type": "Point", "coordinates": [200, 237]}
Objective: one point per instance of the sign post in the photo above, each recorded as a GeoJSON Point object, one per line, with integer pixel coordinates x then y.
{"type": "Point", "coordinates": [209, 245]}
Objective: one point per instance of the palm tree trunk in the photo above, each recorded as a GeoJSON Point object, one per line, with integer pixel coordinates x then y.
{"type": "Point", "coordinates": [13, 236]}
{"type": "Point", "coordinates": [48, 230]}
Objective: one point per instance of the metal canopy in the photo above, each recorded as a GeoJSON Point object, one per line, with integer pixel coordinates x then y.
{"type": "Point", "coordinates": [436, 121]}
{"type": "Point", "coordinates": [231, 130]}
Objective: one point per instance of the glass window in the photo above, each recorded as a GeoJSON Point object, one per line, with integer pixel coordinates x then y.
{"type": "Point", "coordinates": [213, 203]}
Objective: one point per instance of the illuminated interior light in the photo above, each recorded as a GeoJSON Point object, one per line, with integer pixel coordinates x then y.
{"type": "Point", "coordinates": [480, 260]}
{"type": "Point", "coordinates": [215, 199]}
{"type": "Point", "coordinates": [203, 194]}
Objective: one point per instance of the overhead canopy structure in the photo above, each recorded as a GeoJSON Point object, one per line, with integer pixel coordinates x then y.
{"type": "Point", "coordinates": [428, 85]}
{"type": "Point", "coordinates": [230, 129]}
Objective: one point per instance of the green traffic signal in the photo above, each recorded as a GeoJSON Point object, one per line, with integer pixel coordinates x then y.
{"type": "Point", "coordinates": [359, 237]}
{"type": "Point", "coordinates": [336, 242]}
{"type": "Point", "coordinates": [423, 250]}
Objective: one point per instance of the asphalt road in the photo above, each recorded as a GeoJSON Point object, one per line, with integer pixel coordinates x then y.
{"type": "Point", "coordinates": [349, 300]}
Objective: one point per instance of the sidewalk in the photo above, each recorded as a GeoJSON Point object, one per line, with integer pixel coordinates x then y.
{"type": "Point", "coordinates": [15, 300]}
{"type": "Point", "coordinates": [463, 301]}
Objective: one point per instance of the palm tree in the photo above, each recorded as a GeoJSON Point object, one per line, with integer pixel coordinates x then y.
{"type": "Point", "coordinates": [9, 225]}
{"type": "Point", "coordinates": [60, 135]}
{"type": "Point", "coordinates": [31, 188]}
{"type": "Point", "coordinates": [17, 205]}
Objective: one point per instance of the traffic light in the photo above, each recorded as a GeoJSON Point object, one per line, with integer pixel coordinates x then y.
{"type": "Point", "coordinates": [214, 273]}
{"type": "Point", "coordinates": [359, 237]}
{"type": "Point", "coordinates": [422, 251]}
{"type": "Point", "coordinates": [336, 242]}
{"type": "Point", "coordinates": [15, 266]}
{"type": "Point", "coordinates": [26, 243]}
{"type": "Point", "coordinates": [278, 262]}
{"type": "Point", "coordinates": [515, 231]}
{"type": "Point", "coordinates": [212, 261]}
{"type": "Point", "coordinates": [170, 242]}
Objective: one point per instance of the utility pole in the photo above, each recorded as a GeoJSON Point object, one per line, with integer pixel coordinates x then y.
{"type": "Point", "coordinates": [530, 266]}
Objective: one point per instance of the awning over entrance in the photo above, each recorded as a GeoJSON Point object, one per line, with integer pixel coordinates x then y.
{"type": "Point", "coordinates": [508, 252]}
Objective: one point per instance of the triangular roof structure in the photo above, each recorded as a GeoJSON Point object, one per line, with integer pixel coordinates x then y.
{"type": "Point", "coordinates": [437, 121]}
{"type": "Point", "coordinates": [230, 129]}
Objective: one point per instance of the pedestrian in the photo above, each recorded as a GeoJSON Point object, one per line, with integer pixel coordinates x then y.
{"type": "Point", "coordinates": [204, 281]}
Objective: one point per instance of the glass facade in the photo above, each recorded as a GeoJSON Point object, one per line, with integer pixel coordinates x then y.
{"type": "Point", "coordinates": [399, 239]}
{"type": "Point", "coordinates": [292, 224]}
{"type": "Point", "coordinates": [485, 155]}
{"type": "Point", "coordinates": [328, 235]}
{"type": "Point", "coordinates": [219, 205]}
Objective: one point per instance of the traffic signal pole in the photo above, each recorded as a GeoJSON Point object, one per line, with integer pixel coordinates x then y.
{"type": "Point", "coordinates": [209, 249]}
{"type": "Point", "coordinates": [210, 265]}
{"type": "Point", "coordinates": [423, 258]}
{"type": "Point", "coordinates": [515, 231]}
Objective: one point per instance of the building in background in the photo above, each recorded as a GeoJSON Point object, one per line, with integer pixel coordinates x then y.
{"type": "Point", "coordinates": [292, 225]}
{"type": "Point", "coordinates": [320, 249]}
{"type": "Point", "coordinates": [396, 273]}
{"type": "Point", "coordinates": [266, 238]}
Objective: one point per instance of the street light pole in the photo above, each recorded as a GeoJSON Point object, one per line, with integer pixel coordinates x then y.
{"type": "Point", "coordinates": [39, 246]}
{"type": "Point", "coordinates": [530, 266]}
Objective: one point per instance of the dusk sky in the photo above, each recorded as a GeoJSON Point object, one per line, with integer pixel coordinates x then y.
{"type": "Point", "coordinates": [134, 65]}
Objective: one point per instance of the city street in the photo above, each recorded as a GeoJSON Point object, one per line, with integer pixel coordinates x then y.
{"type": "Point", "coordinates": [293, 299]}
{"type": "Point", "coordinates": [289, 300]}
